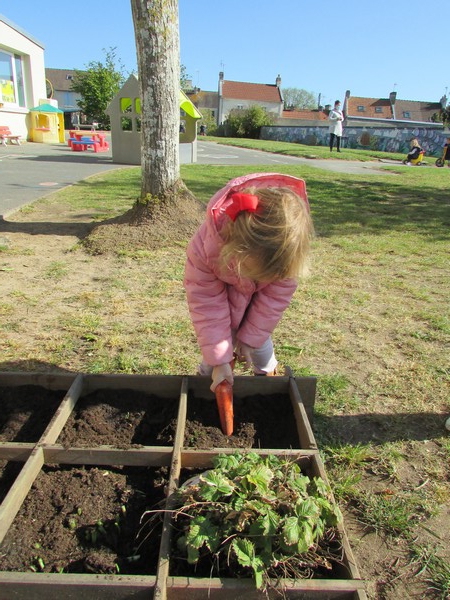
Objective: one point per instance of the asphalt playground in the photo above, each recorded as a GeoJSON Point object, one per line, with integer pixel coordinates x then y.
{"type": "Point", "coordinates": [31, 170]}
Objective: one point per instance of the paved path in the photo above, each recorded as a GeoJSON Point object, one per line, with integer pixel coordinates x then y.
{"type": "Point", "coordinates": [32, 170]}
{"type": "Point", "coordinates": [215, 154]}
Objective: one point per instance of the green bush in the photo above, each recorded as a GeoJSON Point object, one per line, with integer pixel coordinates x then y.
{"type": "Point", "coordinates": [247, 123]}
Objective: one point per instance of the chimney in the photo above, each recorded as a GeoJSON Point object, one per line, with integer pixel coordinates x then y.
{"type": "Point", "coordinates": [392, 99]}
{"type": "Point", "coordinates": [443, 102]}
{"type": "Point", "coordinates": [220, 83]}
{"type": "Point", "coordinates": [345, 107]}
{"type": "Point", "coordinates": [278, 81]}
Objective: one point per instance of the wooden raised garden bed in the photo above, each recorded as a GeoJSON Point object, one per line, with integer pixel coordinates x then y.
{"type": "Point", "coordinates": [83, 456]}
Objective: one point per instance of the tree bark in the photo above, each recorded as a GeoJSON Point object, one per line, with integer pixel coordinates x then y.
{"type": "Point", "coordinates": [158, 53]}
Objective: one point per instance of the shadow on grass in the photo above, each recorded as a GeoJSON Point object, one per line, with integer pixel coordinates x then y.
{"type": "Point", "coordinates": [378, 428]}
{"type": "Point", "coordinates": [340, 204]}
{"type": "Point", "coordinates": [359, 205]}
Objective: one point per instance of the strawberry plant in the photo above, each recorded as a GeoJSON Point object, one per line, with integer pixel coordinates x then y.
{"type": "Point", "coordinates": [259, 516]}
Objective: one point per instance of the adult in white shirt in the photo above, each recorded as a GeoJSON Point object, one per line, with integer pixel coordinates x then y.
{"type": "Point", "coordinates": [335, 117]}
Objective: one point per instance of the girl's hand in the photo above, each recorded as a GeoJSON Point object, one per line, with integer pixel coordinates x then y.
{"type": "Point", "coordinates": [221, 373]}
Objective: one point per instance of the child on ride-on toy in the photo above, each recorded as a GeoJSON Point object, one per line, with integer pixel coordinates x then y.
{"type": "Point", "coordinates": [414, 155]}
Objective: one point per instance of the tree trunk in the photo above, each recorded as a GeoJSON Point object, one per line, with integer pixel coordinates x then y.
{"type": "Point", "coordinates": [158, 52]}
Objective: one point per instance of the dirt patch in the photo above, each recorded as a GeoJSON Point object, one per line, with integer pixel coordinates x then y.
{"type": "Point", "coordinates": [26, 412]}
{"type": "Point", "coordinates": [145, 227]}
{"type": "Point", "coordinates": [254, 418]}
{"type": "Point", "coordinates": [84, 520]}
{"type": "Point", "coordinates": [122, 418]}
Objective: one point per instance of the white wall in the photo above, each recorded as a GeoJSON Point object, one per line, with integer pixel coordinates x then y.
{"type": "Point", "coordinates": [16, 41]}
{"type": "Point", "coordinates": [228, 104]}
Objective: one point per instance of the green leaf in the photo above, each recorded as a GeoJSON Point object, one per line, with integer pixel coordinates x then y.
{"type": "Point", "coordinates": [291, 531]}
{"type": "Point", "coordinates": [260, 476]}
{"type": "Point", "coordinates": [299, 484]}
{"type": "Point", "coordinates": [214, 485]}
{"type": "Point", "coordinates": [201, 531]}
{"type": "Point", "coordinates": [321, 487]}
{"type": "Point", "coordinates": [306, 539]}
{"type": "Point", "coordinates": [258, 571]}
{"type": "Point", "coordinates": [307, 509]}
{"type": "Point", "coordinates": [245, 551]}
{"type": "Point", "coordinates": [227, 462]}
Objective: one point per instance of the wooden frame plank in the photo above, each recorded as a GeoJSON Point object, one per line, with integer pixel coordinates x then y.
{"type": "Point", "coordinates": [305, 432]}
{"type": "Point", "coordinates": [163, 386]}
{"type": "Point", "coordinates": [17, 493]}
{"type": "Point", "coordinates": [348, 553]}
{"type": "Point", "coordinates": [202, 459]}
{"type": "Point", "coordinates": [61, 415]}
{"type": "Point", "coordinates": [51, 381]}
{"type": "Point", "coordinates": [19, 451]}
{"type": "Point", "coordinates": [180, 588]}
{"type": "Point", "coordinates": [162, 573]}
{"type": "Point", "coordinates": [307, 387]}
{"type": "Point", "coordinates": [148, 456]}
{"type": "Point", "coordinates": [55, 586]}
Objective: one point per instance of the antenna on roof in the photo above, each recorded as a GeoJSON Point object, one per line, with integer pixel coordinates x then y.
{"type": "Point", "coordinates": [222, 65]}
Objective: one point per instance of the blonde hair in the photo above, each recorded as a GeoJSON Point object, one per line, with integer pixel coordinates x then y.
{"type": "Point", "coordinates": [415, 143]}
{"type": "Point", "coordinates": [272, 243]}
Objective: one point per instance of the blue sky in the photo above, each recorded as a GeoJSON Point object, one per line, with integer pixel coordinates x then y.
{"type": "Point", "coordinates": [324, 47]}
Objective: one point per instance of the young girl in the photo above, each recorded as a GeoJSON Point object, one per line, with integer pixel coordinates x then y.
{"type": "Point", "coordinates": [414, 152]}
{"type": "Point", "coordinates": [242, 268]}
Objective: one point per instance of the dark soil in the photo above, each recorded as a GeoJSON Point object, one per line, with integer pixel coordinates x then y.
{"type": "Point", "coordinates": [26, 411]}
{"type": "Point", "coordinates": [8, 473]}
{"type": "Point", "coordinates": [57, 528]}
{"type": "Point", "coordinates": [121, 418]}
{"type": "Point", "coordinates": [259, 422]}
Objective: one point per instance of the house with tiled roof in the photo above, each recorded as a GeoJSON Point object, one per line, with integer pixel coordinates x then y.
{"type": "Point", "coordinates": [390, 111]}
{"type": "Point", "coordinates": [59, 87]}
{"type": "Point", "coordinates": [204, 100]}
{"type": "Point", "coordinates": [240, 95]}
{"type": "Point", "coordinates": [305, 114]}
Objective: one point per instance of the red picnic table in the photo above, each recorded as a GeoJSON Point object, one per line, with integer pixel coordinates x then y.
{"type": "Point", "coordinates": [82, 140]}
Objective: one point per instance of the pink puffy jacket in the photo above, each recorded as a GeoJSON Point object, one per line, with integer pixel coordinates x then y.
{"type": "Point", "coordinates": [221, 304]}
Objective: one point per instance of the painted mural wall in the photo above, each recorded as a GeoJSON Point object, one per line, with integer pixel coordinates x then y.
{"type": "Point", "coordinates": [386, 139]}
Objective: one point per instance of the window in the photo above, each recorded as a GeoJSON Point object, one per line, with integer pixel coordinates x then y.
{"type": "Point", "coordinates": [69, 77]}
{"type": "Point", "coordinates": [12, 89]}
{"type": "Point", "coordinates": [240, 107]}
{"type": "Point", "coordinates": [130, 110]}
{"type": "Point", "coordinates": [378, 109]}
{"type": "Point", "coordinates": [406, 114]}
{"type": "Point", "coordinates": [361, 108]}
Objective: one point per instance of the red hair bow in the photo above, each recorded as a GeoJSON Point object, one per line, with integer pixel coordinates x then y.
{"type": "Point", "coordinates": [241, 202]}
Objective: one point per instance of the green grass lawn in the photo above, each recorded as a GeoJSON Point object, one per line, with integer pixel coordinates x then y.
{"type": "Point", "coordinates": [371, 322]}
{"type": "Point", "coordinates": [304, 151]}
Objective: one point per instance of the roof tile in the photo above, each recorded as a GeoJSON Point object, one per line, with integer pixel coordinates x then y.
{"type": "Point", "coordinates": [261, 92]}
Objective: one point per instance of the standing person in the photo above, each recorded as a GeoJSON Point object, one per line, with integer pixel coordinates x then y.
{"type": "Point", "coordinates": [336, 117]}
{"type": "Point", "coordinates": [76, 120]}
{"type": "Point", "coordinates": [447, 151]}
{"type": "Point", "coordinates": [242, 268]}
